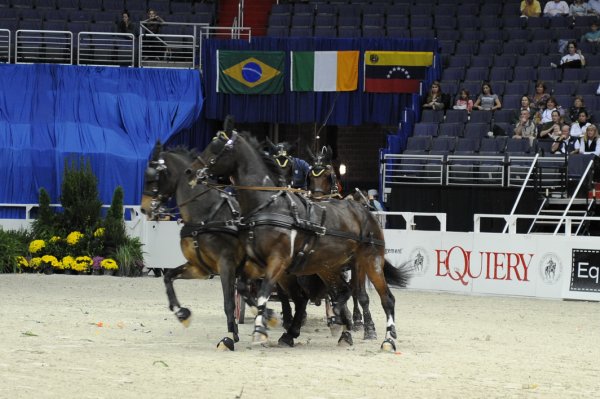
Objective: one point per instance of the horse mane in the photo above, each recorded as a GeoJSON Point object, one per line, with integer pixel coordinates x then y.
{"type": "Point", "coordinates": [183, 150]}
{"type": "Point", "coordinates": [273, 169]}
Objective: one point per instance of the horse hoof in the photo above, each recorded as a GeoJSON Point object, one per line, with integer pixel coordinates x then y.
{"type": "Point", "coordinates": [259, 338]}
{"type": "Point", "coordinates": [370, 333]}
{"type": "Point", "coordinates": [272, 319]}
{"type": "Point", "coordinates": [286, 340]}
{"type": "Point", "coordinates": [184, 316]}
{"type": "Point", "coordinates": [335, 329]}
{"type": "Point", "coordinates": [358, 324]}
{"type": "Point", "coordinates": [226, 344]}
{"type": "Point", "coordinates": [345, 339]}
{"type": "Point", "coordinates": [388, 345]}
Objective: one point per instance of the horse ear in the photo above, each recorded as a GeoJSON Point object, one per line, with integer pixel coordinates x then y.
{"type": "Point", "coordinates": [310, 154]}
{"type": "Point", "coordinates": [272, 146]}
{"type": "Point", "coordinates": [157, 150]}
{"type": "Point", "coordinates": [329, 152]}
{"type": "Point", "coordinates": [228, 124]}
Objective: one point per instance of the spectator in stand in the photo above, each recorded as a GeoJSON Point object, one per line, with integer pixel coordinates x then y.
{"type": "Point", "coordinates": [530, 8]}
{"type": "Point", "coordinates": [588, 143]}
{"type": "Point", "coordinates": [154, 47]}
{"type": "Point", "coordinates": [564, 144]}
{"type": "Point", "coordinates": [576, 108]}
{"type": "Point", "coordinates": [545, 116]}
{"type": "Point", "coordinates": [435, 98]}
{"type": "Point", "coordinates": [594, 5]}
{"type": "Point", "coordinates": [125, 25]}
{"type": "Point", "coordinates": [580, 8]}
{"type": "Point", "coordinates": [573, 58]}
{"type": "Point", "coordinates": [539, 98]}
{"type": "Point", "coordinates": [487, 100]}
{"type": "Point", "coordinates": [525, 128]}
{"type": "Point", "coordinates": [154, 21]}
{"type": "Point", "coordinates": [556, 8]}
{"type": "Point", "coordinates": [525, 106]}
{"type": "Point", "coordinates": [593, 36]}
{"type": "Point", "coordinates": [551, 129]}
{"type": "Point", "coordinates": [463, 101]}
{"type": "Point", "coordinates": [579, 127]}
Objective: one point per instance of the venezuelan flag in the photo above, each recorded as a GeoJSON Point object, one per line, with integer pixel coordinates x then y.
{"type": "Point", "coordinates": [395, 71]}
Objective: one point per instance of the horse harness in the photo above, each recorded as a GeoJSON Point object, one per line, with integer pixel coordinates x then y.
{"type": "Point", "coordinates": [313, 224]}
{"type": "Point", "coordinates": [192, 230]}
{"type": "Point", "coordinates": [195, 230]}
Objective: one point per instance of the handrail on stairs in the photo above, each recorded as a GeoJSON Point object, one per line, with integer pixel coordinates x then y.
{"type": "Point", "coordinates": [537, 215]}
{"type": "Point", "coordinates": [583, 178]}
{"type": "Point", "coordinates": [514, 208]}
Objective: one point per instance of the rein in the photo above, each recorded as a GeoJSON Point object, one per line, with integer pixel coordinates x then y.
{"type": "Point", "coordinates": [256, 188]}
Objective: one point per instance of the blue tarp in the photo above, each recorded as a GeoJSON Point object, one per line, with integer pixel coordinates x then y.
{"type": "Point", "coordinates": [111, 116]}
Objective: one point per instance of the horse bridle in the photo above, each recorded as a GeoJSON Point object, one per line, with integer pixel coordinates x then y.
{"type": "Point", "coordinates": [155, 170]}
{"type": "Point", "coordinates": [318, 169]}
{"type": "Point", "coordinates": [202, 173]}
{"type": "Point", "coordinates": [158, 202]}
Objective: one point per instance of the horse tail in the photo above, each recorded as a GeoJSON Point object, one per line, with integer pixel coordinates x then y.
{"type": "Point", "coordinates": [396, 276]}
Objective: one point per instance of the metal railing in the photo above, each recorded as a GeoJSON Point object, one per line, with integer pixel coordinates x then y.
{"type": "Point", "coordinates": [5, 42]}
{"type": "Point", "coordinates": [112, 49]}
{"type": "Point", "coordinates": [511, 221]}
{"type": "Point", "coordinates": [175, 51]}
{"type": "Point", "coordinates": [180, 50]}
{"type": "Point", "coordinates": [475, 170]}
{"type": "Point", "coordinates": [43, 46]}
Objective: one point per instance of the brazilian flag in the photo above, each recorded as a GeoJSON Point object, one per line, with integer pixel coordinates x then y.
{"type": "Point", "coordinates": [250, 72]}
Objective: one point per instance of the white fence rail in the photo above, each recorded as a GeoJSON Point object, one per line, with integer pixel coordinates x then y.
{"type": "Point", "coordinates": [43, 46]}
{"type": "Point", "coordinates": [5, 43]}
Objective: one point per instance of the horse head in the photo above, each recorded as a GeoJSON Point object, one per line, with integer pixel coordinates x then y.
{"type": "Point", "coordinates": [322, 179]}
{"type": "Point", "coordinates": [282, 157]}
{"type": "Point", "coordinates": [161, 179]}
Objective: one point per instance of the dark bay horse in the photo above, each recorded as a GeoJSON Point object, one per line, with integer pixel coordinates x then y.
{"type": "Point", "coordinates": [209, 238]}
{"type": "Point", "coordinates": [323, 185]}
{"type": "Point", "coordinates": [286, 233]}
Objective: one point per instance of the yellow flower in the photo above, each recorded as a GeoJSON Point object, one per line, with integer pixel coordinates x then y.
{"type": "Point", "coordinates": [82, 263]}
{"type": "Point", "coordinates": [74, 237]}
{"type": "Point", "coordinates": [54, 239]}
{"type": "Point", "coordinates": [35, 263]}
{"type": "Point", "coordinates": [22, 261]}
{"type": "Point", "coordinates": [51, 260]}
{"type": "Point", "coordinates": [109, 264]}
{"type": "Point", "coordinates": [36, 245]}
{"type": "Point", "coordinates": [68, 262]}
{"type": "Point", "coordinates": [99, 232]}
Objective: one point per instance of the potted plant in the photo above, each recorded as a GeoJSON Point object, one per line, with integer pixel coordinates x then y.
{"type": "Point", "coordinates": [109, 266]}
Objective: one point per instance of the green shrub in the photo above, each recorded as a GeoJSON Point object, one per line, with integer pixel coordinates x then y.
{"type": "Point", "coordinates": [12, 245]}
{"type": "Point", "coordinates": [79, 197]}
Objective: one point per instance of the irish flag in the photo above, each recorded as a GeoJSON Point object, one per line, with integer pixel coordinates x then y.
{"type": "Point", "coordinates": [324, 70]}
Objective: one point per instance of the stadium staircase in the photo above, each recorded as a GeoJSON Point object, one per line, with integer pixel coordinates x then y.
{"type": "Point", "coordinates": [256, 14]}
{"type": "Point", "coordinates": [559, 202]}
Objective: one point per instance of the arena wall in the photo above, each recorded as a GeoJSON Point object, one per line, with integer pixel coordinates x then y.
{"type": "Point", "coordinates": [533, 265]}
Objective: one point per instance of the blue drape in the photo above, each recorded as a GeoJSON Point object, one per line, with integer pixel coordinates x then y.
{"type": "Point", "coordinates": [349, 108]}
{"type": "Point", "coordinates": [112, 116]}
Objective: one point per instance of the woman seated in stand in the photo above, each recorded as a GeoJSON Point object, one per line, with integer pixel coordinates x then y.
{"type": "Point", "coordinates": [487, 100]}
{"type": "Point", "coordinates": [539, 98]}
{"type": "Point", "coordinates": [546, 115]}
{"type": "Point", "coordinates": [588, 143]}
{"type": "Point", "coordinates": [551, 130]}
{"type": "Point", "coordinates": [435, 98]}
{"type": "Point", "coordinates": [573, 58]}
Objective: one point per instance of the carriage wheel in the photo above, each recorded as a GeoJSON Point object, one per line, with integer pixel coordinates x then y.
{"type": "Point", "coordinates": [240, 308]}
